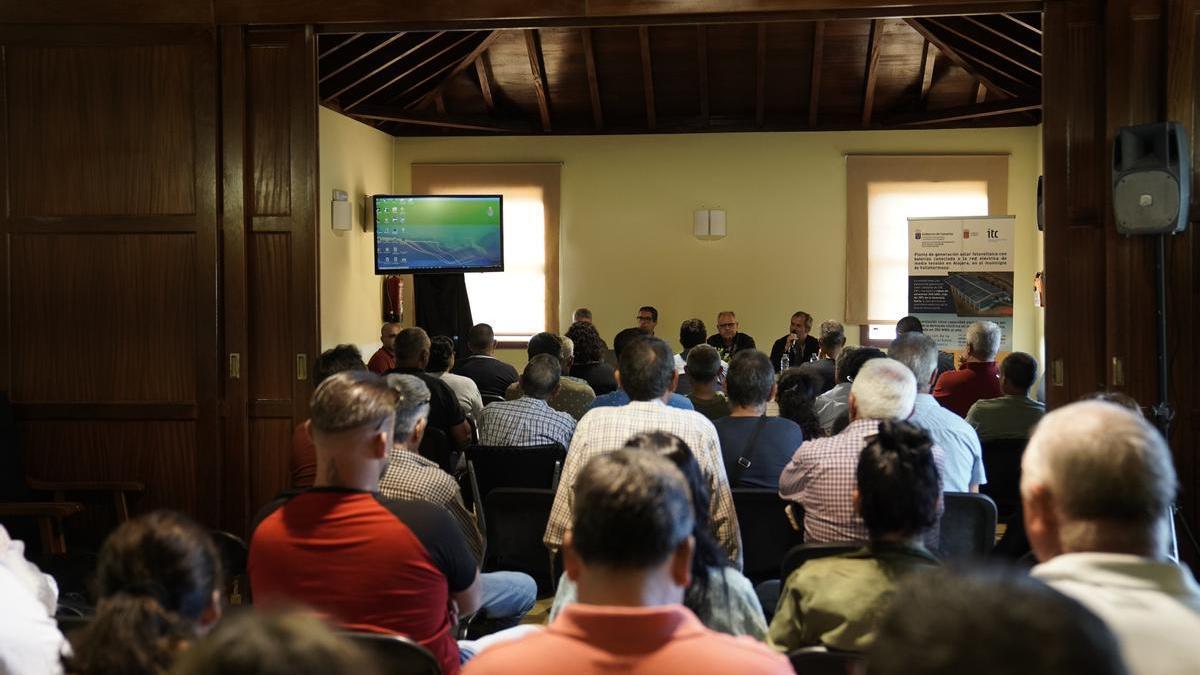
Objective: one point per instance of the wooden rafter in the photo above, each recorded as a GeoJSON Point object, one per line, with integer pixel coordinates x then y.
{"type": "Point", "coordinates": [339, 45]}
{"type": "Point", "coordinates": [647, 76]}
{"type": "Point", "coordinates": [1002, 35]}
{"type": "Point", "coordinates": [814, 81]}
{"type": "Point", "coordinates": [958, 32]}
{"type": "Point", "coordinates": [760, 76]}
{"type": "Point", "coordinates": [383, 114]}
{"type": "Point", "coordinates": [1022, 23]}
{"type": "Point", "coordinates": [469, 59]}
{"type": "Point", "coordinates": [967, 112]}
{"type": "Point", "coordinates": [702, 70]}
{"type": "Point", "coordinates": [389, 63]}
{"type": "Point", "coordinates": [980, 92]}
{"type": "Point", "coordinates": [929, 55]}
{"type": "Point", "coordinates": [589, 56]}
{"type": "Point", "coordinates": [957, 58]}
{"type": "Point", "coordinates": [485, 82]}
{"type": "Point", "coordinates": [534, 50]}
{"type": "Point", "coordinates": [409, 71]}
{"type": "Point", "coordinates": [439, 104]}
{"type": "Point", "coordinates": [874, 41]}
{"type": "Point", "coordinates": [360, 57]}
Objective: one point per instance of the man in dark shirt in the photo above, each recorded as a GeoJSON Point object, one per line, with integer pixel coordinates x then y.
{"type": "Point", "coordinates": [412, 355]}
{"type": "Point", "coordinates": [826, 364]}
{"type": "Point", "coordinates": [704, 372]}
{"type": "Point", "coordinates": [367, 563]}
{"type": "Point", "coordinates": [491, 374]}
{"type": "Point", "coordinates": [799, 346]}
{"type": "Point", "coordinates": [728, 341]}
{"type": "Point", "coordinates": [756, 448]}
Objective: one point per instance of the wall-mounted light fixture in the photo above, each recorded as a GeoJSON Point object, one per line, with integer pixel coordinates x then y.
{"type": "Point", "coordinates": [709, 224]}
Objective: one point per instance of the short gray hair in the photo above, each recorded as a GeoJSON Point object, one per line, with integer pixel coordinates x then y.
{"type": "Point", "coordinates": [884, 389]}
{"type": "Point", "coordinates": [831, 326]}
{"type": "Point", "coordinates": [984, 338]}
{"type": "Point", "coordinates": [412, 404]}
{"type": "Point", "coordinates": [568, 349]}
{"type": "Point", "coordinates": [351, 399]}
{"type": "Point", "coordinates": [1102, 462]}
{"type": "Point", "coordinates": [541, 376]}
{"type": "Point", "coordinates": [919, 352]}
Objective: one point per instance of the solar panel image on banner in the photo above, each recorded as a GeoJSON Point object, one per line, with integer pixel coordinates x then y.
{"type": "Point", "coordinates": [973, 295]}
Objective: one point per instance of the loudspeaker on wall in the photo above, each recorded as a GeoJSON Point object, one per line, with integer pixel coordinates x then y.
{"type": "Point", "coordinates": [1151, 178]}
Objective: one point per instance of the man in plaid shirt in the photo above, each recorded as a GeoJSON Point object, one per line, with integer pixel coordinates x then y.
{"type": "Point", "coordinates": [647, 374]}
{"type": "Point", "coordinates": [529, 420]}
{"type": "Point", "coordinates": [822, 475]}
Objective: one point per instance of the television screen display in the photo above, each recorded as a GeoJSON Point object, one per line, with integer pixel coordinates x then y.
{"type": "Point", "coordinates": [438, 233]}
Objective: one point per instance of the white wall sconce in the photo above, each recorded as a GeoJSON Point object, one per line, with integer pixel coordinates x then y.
{"type": "Point", "coordinates": [709, 224]}
{"type": "Point", "coordinates": [342, 216]}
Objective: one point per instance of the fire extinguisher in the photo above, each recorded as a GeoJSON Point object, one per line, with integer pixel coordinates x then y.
{"type": "Point", "coordinates": [393, 299]}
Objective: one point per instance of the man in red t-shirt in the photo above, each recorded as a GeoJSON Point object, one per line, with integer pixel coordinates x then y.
{"type": "Point", "coordinates": [367, 563]}
{"type": "Point", "coordinates": [303, 459]}
{"type": "Point", "coordinates": [384, 358]}
{"type": "Point", "coordinates": [979, 377]}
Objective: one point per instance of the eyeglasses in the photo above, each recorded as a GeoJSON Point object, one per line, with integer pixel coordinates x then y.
{"type": "Point", "coordinates": [645, 318]}
{"type": "Point", "coordinates": [727, 325]}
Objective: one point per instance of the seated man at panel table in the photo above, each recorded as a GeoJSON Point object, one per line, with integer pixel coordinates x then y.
{"type": "Point", "coordinates": [490, 373]}
{"type": "Point", "coordinates": [384, 359]}
{"type": "Point", "coordinates": [529, 420]}
{"type": "Point", "coordinates": [755, 447]}
{"type": "Point", "coordinates": [834, 403]}
{"type": "Point", "coordinates": [1097, 487]}
{"type": "Point", "coordinates": [441, 361]}
{"type": "Point", "coordinates": [504, 596]}
{"type": "Point", "coordinates": [825, 367]}
{"type": "Point", "coordinates": [412, 347]}
{"type": "Point", "coordinates": [799, 346]}
{"type": "Point", "coordinates": [367, 563]}
{"type": "Point", "coordinates": [1014, 414]}
{"type": "Point", "coordinates": [727, 339]}
{"type": "Point", "coordinates": [303, 459]}
{"type": "Point", "coordinates": [979, 377]}
{"type": "Point", "coordinates": [647, 318]}
{"type": "Point", "coordinates": [964, 455]}
{"type": "Point", "coordinates": [821, 474]}
{"type": "Point", "coordinates": [620, 397]}
{"type": "Point", "coordinates": [647, 373]}
{"type": "Point", "coordinates": [629, 551]}
{"type": "Point", "coordinates": [574, 395]}
{"type": "Point", "coordinates": [704, 374]}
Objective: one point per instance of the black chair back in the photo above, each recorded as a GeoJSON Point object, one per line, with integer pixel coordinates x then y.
{"type": "Point", "coordinates": [804, 552]}
{"type": "Point", "coordinates": [396, 655]}
{"type": "Point", "coordinates": [234, 555]}
{"type": "Point", "coordinates": [490, 467]}
{"type": "Point", "coordinates": [436, 447]}
{"type": "Point", "coordinates": [1002, 463]}
{"type": "Point", "coordinates": [968, 528]}
{"type": "Point", "coordinates": [516, 521]}
{"type": "Point", "coordinates": [489, 399]}
{"type": "Point", "coordinates": [766, 533]}
{"type": "Point", "coordinates": [814, 661]}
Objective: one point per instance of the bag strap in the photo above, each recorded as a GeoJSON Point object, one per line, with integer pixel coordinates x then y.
{"type": "Point", "coordinates": [744, 461]}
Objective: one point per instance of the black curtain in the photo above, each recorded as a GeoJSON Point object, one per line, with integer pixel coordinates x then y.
{"type": "Point", "coordinates": [443, 307]}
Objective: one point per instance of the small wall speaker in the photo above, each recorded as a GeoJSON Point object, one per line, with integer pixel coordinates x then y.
{"type": "Point", "coordinates": [708, 224]}
{"type": "Point", "coordinates": [342, 215]}
{"type": "Point", "coordinates": [1151, 178]}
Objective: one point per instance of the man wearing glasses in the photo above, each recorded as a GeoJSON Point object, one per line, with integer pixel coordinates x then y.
{"type": "Point", "coordinates": [647, 318]}
{"type": "Point", "coordinates": [728, 341]}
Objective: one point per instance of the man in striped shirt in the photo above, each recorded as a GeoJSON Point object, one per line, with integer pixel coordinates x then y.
{"type": "Point", "coordinates": [529, 420]}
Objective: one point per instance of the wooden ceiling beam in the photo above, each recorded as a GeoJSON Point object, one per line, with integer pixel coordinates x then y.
{"type": "Point", "coordinates": [400, 116]}
{"type": "Point", "coordinates": [589, 57]}
{"type": "Point", "coordinates": [360, 57]}
{"type": "Point", "coordinates": [874, 41]}
{"type": "Point", "coordinates": [339, 45]}
{"type": "Point", "coordinates": [1002, 35]}
{"type": "Point", "coordinates": [702, 69]}
{"type": "Point", "coordinates": [409, 71]}
{"type": "Point", "coordinates": [951, 28]}
{"type": "Point", "coordinates": [967, 112]}
{"type": "Point", "coordinates": [538, 72]}
{"type": "Point", "coordinates": [375, 71]}
{"type": "Point", "coordinates": [647, 76]}
{"type": "Point", "coordinates": [980, 92]}
{"type": "Point", "coordinates": [1022, 23]}
{"type": "Point", "coordinates": [760, 76]}
{"type": "Point", "coordinates": [467, 61]}
{"type": "Point", "coordinates": [485, 82]}
{"type": "Point", "coordinates": [956, 58]}
{"type": "Point", "coordinates": [814, 80]}
{"type": "Point", "coordinates": [929, 55]}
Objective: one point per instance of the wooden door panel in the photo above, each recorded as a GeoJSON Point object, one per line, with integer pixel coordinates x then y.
{"type": "Point", "coordinates": [271, 360]}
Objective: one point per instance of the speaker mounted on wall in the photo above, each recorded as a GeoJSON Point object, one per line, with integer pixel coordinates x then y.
{"type": "Point", "coordinates": [1151, 178]}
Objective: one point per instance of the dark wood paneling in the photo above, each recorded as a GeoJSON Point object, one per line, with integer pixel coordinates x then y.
{"type": "Point", "coordinates": [101, 130]}
{"type": "Point", "coordinates": [270, 359]}
{"type": "Point", "coordinates": [107, 11]}
{"type": "Point", "coordinates": [270, 443]}
{"type": "Point", "coordinates": [1085, 92]}
{"type": "Point", "coordinates": [270, 128]}
{"type": "Point", "coordinates": [104, 317]}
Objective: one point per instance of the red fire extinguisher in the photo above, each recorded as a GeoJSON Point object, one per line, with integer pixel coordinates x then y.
{"type": "Point", "coordinates": [393, 299]}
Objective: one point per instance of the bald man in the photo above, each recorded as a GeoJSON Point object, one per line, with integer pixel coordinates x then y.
{"type": "Point", "coordinates": [384, 358]}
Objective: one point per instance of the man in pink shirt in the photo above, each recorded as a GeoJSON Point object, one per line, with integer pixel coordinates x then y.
{"type": "Point", "coordinates": [979, 377]}
{"type": "Point", "coordinates": [629, 552]}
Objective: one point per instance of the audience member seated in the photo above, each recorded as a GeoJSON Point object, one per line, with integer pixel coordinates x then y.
{"type": "Point", "coordinates": [830, 326]}
{"type": "Point", "coordinates": [412, 347]}
{"type": "Point", "coordinates": [838, 601]}
{"type": "Point", "coordinates": [979, 378]}
{"type": "Point", "coordinates": [629, 552]}
{"type": "Point", "coordinates": [796, 396]}
{"type": "Point", "coordinates": [1097, 485]}
{"type": "Point", "coordinates": [275, 643]}
{"type": "Point", "coordinates": [30, 642]}
{"type": "Point", "coordinates": [303, 458]}
{"type": "Point", "coordinates": [719, 596]}
{"type": "Point", "coordinates": [1014, 414]}
{"type": "Point", "coordinates": [368, 563]}
{"type": "Point", "coordinates": [989, 623]}
{"type": "Point", "coordinates": [834, 403]}
{"type": "Point", "coordinates": [384, 359]}
{"type": "Point", "coordinates": [574, 395]}
{"type": "Point", "coordinates": [822, 473]}
{"type": "Point", "coordinates": [505, 596]}
{"type": "Point", "coordinates": [589, 363]}
{"type": "Point", "coordinates": [755, 447]}
{"type": "Point", "coordinates": [530, 420]}
{"type": "Point", "coordinates": [441, 361]}
{"type": "Point", "coordinates": [620, 397]}
{"type": "Point", "coordinates": [647, 319]}
{"type": "Point", "coordinates": [799, 346]}
{"type": "Point", "coordinates": [692, 332]}
{"type": "Point", "coordinates": [911, 324]}
{"type": "Point", "coordinates": [490, 373]}
{"type": "Point", "coordinates": [158, 588]}
{"type": "Point", "coordinates": [964, 455]}
{"type": "Point", "coordinates": [727, 340]}
{"type": "Point", "coordinates": [582, 315]}
{"type": "Point", "coordinates": [825, 366]}
{"type": "Point", "coordinates": [704, 374]}
{"type": "Point", "coordinates": [647, 374]}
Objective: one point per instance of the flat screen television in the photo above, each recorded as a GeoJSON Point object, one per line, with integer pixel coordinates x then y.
{"type": "Point", "coordinates": [416, 234]}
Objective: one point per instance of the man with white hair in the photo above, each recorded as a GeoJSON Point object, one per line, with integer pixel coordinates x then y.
{"type": "Point", "coordinates": [979, 377]}
{"type": "Point", "coordinates": [822, 475]}
{"type": "Point", "coordinates": [1097, 484]}
{"type": "Point", "coordinates": [964, 454]}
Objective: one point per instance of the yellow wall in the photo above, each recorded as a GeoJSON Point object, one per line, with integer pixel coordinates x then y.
{"type": "Point", "coordinates": [358, 159]}
{"type": "Point", "coordinates": [627, 204]}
